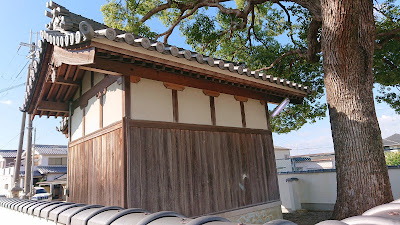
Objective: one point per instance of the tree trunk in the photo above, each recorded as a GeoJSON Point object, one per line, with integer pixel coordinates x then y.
{"type": "Point", "coordinates": [348, 34]}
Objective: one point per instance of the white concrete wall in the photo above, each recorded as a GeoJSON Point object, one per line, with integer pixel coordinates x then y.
{"type": "Point", "coordinates": [112, 104]}
{"type": "Point", "coordinates": [227, 111]}
{"type": "Point", "coordinates": [6, 176]}
{"type": "Point", "coordinates": [317, 191]}
{"type": "Point", "coordinates": [256, 117]}
{"type": "Point", "coordinates": [194, 106]}
{"type": "Point", "coordinates": [151, 100]}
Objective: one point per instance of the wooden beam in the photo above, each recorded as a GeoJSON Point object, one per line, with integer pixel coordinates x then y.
{"type": "Point", "coordinates": [126, 96]}
{"type": "Point", "coordinates": [53, 106]}
{"type": "Point", "coordinates": [90, 68]}
{"type": "Point", "coordinates": [175, 111]}
{"type": "Point", "coordinates": [243, 113]}
{"type": "Point", "coordinates": [115, 67]}
{"type": "Point", "coordinates": [70, 82]}
{"type": "Point", "coordinates": [83, 121]}
{"type": "Point", "coordinates": [241, 99]}
{"type": "Point", "coordinates": [267, 116]}
{"type": "Point", "coordinates": [70, 71]}
{"type": "Point", "coordinates": [174, 86]}
{"type": "Point", "coordinates": [134, 79]}
{"type": "Point", "coordinates": [211, 93]}
{"type": "Point", "coordinates": [73, 57]}
{"type": "Point", "coordinates": [99, 87]}
{"type": "Point", "coordinates": [212, 108]}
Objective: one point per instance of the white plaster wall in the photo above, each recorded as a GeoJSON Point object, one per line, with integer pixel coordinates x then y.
{"type": "Point", "coordinates": [92, 115]}
{"type": "Point", "coordinates": [320, 188]}
{"type": "Point", "coordinates": [194, 106]}
{"type": "Point", "coordinates": [151, 100]}
{"type": "Point", "coordinates": [86, 82]}
{"type": "Point", "coordinates": [98, 77]}
{"type": "Point", "coordinates": [256, 117]}
{"type": "Point", "coordinates": [76, 124]}
{"type": "Point", "coordinates": [227, 111]}
{"type": "Point", "coordinates": [112, 104]}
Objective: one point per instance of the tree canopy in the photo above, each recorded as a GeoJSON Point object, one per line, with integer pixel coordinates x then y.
{"type": "Point", "coordinates": [277, 37]}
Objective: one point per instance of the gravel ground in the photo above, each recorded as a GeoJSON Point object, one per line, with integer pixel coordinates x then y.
{"type": "Point", "coordinates": [307, 218]}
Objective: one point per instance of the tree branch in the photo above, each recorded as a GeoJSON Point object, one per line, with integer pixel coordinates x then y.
{"type": "Point", "coordinates": [299, 52]}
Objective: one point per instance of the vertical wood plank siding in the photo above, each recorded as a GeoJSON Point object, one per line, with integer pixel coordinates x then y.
{"type": "Point", "coordinates": [194, 170]}
{"type": "Point", "coordinates": [96, 169]}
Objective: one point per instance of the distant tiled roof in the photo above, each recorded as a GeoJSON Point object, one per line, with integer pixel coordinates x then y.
{"type": "Point", "coordinates": [280, 148]}
{"type": "Point", "coordinates": [51, 149]}
{"type": "Point", "coordinates": [302, 159]}
{"type": "Point", "coordinates": [52, 169]}
{"type": "Point", "coordinates": [8, 153]}
{"type": "Point", "coordinates": [392, 140]}
{"type": "Point", "coordinates": [35, 173]}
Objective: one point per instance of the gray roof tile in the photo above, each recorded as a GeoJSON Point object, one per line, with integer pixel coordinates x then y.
{"type": "Point", "coordinates": [51, 149]}
{"type": "Point", "coordinates": [8, 153]}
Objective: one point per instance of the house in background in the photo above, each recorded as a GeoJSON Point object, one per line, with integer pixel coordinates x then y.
{"type": "Point", "coordinates": [313, 162]}
{"type": "Point", "coordinates": [7, 158]}
{"type": "Point", "coordinates": [50, 162]}
{"type": "Point", "coordinates": [392, 143]}
{"type": "Point", "coordinates": [283, 160]}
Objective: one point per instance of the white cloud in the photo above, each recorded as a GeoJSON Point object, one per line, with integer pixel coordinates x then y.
{"type": "Point", "coordinates": [6, 102]}
{"type": "Point", "coordinates": [389, 124]}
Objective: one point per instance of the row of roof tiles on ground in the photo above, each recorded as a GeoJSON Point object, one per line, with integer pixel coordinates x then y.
{"type": "Point", "coordinates": [82, 214]}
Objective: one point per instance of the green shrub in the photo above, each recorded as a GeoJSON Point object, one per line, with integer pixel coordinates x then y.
{"type": "Point", "coordinates": [392, 158]}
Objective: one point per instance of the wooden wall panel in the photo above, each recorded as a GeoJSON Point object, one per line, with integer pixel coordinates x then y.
{"type": "Point", "coordinates": [193, 170]}
{"type": "Point", "coordinates": [96, 169]}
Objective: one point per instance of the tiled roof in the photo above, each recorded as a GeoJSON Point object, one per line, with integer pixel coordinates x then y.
{"type": "Point", "coordinates": [8, 153]}
{"type": "Point", "coordinates": [51, 149]}
{"type": "Point", "coordinates": [35, 173]}
{"type": "Point", "coordinates": [392, 140]}
{"type": "Point", "coordinates": [69, 30]}
{"type": "Point", "coordinates": [51, 169]}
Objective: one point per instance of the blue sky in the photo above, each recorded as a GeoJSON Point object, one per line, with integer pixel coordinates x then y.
{"type": "Point", "coordinates": [18, 18]}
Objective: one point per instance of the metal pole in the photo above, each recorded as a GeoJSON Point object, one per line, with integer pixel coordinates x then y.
{"type": "Point", "coordinates": [28, 159]}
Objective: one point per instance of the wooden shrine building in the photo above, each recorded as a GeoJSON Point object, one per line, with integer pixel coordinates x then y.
{"type": "Point", "coordinates": [156, 126]}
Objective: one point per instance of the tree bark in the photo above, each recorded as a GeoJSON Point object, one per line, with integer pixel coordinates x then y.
{"type": "Point", "coordinates": [348, 37]}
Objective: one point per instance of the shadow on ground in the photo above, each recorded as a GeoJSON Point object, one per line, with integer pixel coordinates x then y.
{"type": "Point", "coordinates": [307, 218]}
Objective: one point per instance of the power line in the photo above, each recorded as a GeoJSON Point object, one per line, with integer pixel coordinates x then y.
{"type": "Point", "coordinates": [10, 88]}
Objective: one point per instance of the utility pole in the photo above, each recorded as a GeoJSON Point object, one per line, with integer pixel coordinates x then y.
{"type": "Point", "coordinates": [33, 158]}
{"type": "Point", "coordinates": [28, 159]}
{"type": "Point", "coordinates": [17, 166]}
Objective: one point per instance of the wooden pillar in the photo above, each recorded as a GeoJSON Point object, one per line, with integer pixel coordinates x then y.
{"type": "Point", "coordinates": [126, 136]}
{"type": "Point", "coordinates": [212, 94]}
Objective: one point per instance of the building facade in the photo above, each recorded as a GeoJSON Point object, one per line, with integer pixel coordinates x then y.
{"type": "Point", "coordinates": [155, 126]}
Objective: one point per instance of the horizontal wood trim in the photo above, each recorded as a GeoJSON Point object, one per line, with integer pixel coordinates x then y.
{"type": "Point", "coordinates": [98, 88]}
{"type": "Point", "coordinates": [53, 106]}
{"type": "Point", "coordinates": [164, 76]}
{"type": "Point", "coordinates": [93, 69]}
{"type": "Point", "coordinates": [194, 127]}
{"type": "Point", "coordinates": [97, 133]}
